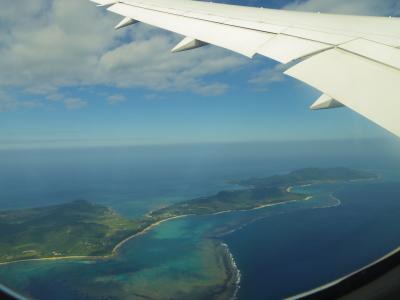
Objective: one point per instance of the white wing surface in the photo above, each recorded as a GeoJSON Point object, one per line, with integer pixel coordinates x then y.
{"type": "Point", "coordinates": [353, 60]}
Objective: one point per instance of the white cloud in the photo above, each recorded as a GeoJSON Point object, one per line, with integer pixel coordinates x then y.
{"type": "Point", "coordinates": [115, 99]}
{"type": "Point", "coordinates": [74, 103]}
{"type": "Point", "coordinates": [9, 103]}
{"type": "Point", "coordinates": [72, 43]}
{"type": "Point", "coordinates": [46, 45]}
{"type": "Point", "coordinates": [269, 76]}
{"type": "Point", "coordinates": [150, 63]}
{"type": "Point", "coordinates": [54, 96]}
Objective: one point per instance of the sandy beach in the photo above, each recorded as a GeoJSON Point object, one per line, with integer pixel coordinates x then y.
{"type": "Point", "coordinates": [145, 230]}
{"type": "Point", "coordinates": [148, 228]}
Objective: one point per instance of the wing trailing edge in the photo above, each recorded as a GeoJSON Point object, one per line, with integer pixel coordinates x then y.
{"type": "Point", "coordinates": [353, 59]}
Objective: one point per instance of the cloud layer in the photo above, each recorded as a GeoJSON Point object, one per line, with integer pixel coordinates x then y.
{"type": "Point", "coordinates": [49, 44]}
{"type": "Point", "coordinates": [46, 45]}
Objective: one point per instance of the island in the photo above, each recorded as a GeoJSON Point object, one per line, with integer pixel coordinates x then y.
{"type": "Point", "coordinates": [82, 229]}
{"type": "Point", "coordinates": [78, 228]}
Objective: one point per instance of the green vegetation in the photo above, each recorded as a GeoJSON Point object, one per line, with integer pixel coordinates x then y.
{"type": "Point", "coordinates": [81, 228]}
{"type": "Point", "coordinates": [260, 192]}
{"type": "Point", "coordinates": [76, 228]}
{"type": "Point", "coordinates": [307, 176]}
{"type": "Point", "coordinates": [226, 201]}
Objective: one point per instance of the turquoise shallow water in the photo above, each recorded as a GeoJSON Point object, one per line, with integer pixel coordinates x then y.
{"type": "Point", "coordinates": [170, 251]}
{"type": "Point", "coordinates": [282, 250]}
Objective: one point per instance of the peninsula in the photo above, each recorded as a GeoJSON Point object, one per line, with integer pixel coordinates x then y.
{"type": "Point", "coordinates": [83, 229]}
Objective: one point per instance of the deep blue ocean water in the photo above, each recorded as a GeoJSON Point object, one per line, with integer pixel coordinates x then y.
{"type": "Point", "coordinates": [290, 253]}
{"type": "Point", "coordinates": [283, 249]}
{"type": "Point", "coordinates": [136, 179]}
{"type": "Point", "coordinates": [166, 258]}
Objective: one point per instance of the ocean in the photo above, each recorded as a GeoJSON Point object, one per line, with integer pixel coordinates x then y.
{"type": "Point", "coordinates": [287, 254]}
{"type": "Point", "coordinates": [279, 250]}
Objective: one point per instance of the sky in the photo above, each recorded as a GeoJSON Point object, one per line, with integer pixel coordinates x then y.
{"type": "Point", "coordinates": [68, 79]}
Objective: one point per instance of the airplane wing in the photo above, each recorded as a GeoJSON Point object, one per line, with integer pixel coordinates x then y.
{"type": "Point", "coordinates": [353, 60]}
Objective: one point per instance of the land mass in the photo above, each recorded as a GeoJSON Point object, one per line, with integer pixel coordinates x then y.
{"type": "Point", "coordinates": [83, 229]}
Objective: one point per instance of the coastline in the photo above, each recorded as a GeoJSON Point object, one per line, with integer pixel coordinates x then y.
{"type": "Point", "coordinates": [229, 287]}
{"type": "Point", "coordinates": [291, 187]}
{"type": "Point", "coordinates": [116, 248]}
{"type": "Point", "coordinates": [335, 198]}
{"type": "Point", "coordinates": [236, 272]}
{"type": "Point", "coordinates": [114, 251]}
{"type": "Point", "coordinates": [232, 258]}
{"type": "Point", "coordinates": [233, 281]}
{"type": "Point", "coordinates": [234, 284]}
{"type": "Point", "coordinates": [261, 206]}
{"type": "Point", "coordinates": [72, 257]}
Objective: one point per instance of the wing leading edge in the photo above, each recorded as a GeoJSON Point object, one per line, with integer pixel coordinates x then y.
{"type": "Point", "coordinates": [353, 60]}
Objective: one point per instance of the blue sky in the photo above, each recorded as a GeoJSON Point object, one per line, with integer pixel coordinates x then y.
{"type": "Point", "coordinates": [65, 85]}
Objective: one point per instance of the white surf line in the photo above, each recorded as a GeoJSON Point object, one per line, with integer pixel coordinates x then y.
{"type": "Point", "coordinates": [115, 249]}
{"type": "Point", "coordinates": [336, 198]}
{"type": "Point", "coordinates": [145, 230]}
{"type": "Point", "coordinates": [338, 203]}
{"type": "Point", "coordinates": [259, 207]}
{"type": "Point", "coordinates": [238, 274]}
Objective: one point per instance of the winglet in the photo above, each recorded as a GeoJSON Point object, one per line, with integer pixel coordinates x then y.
{"type": "Point", "coordinates": [325, 102]}
{"type": "Point", "coordinates": [125, 22]}
{"type": "Point", "coordinates": [188, 43]}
